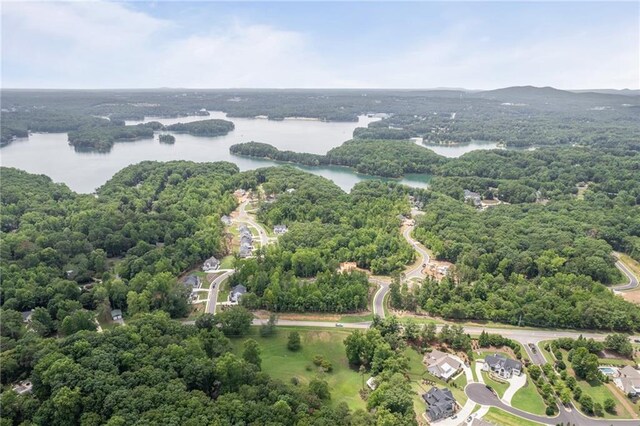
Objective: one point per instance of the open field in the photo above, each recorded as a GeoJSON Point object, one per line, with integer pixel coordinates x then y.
{"type": "Point", "coordinates": [280, 363]}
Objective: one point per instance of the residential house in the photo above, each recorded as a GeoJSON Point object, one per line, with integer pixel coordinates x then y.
{"type": "Point", "coordinates": [116, 314]}
{"type": "Point", "coordinates": [246, 250]}
{"type": "Point", "coordinates": [502, 366]}
{"type": "Point", "coordinates": [442, 365]}
{"type": "Point", "coordinates": [347, 267]}
{"type": "Point", "coordinates": [26, 316]}
{"type": "Point", "coordinates": [246, 239]}
{"type": "Point", "coordinates": [236, 293]}
{"type": "Point", "coordinates": [473, 197]}
{"type": "Point", "coordinates": [371, 383]}
{"type": "Point", "coordinates": [280, 229]}
{"type": "Point", "coordinates": [440, 403]}
{"type": "Point", "coordinates": [23, 387]}
{"type": "Point", "coordinates": [211, 264]}
{"type": "Point", "coordinates": [244, 231]}
{"type": "Point", "coordinates": [226, 220]}
{"type": "Point", "coordinates": [628, 381]}
{"type": "Point", "coordinates": [192, 281]}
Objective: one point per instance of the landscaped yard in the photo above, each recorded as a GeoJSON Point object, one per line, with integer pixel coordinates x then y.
{"type": "Point", "coordinates": [600, 392]}
{"type": "Point", "coordinates": [283, 364]}
{"type": "Point", "coordinates": [502, 418]}
{"type": "Point", "coordinates": [528, 399]}
{"type": "Point", "coordinates": [499, 387]}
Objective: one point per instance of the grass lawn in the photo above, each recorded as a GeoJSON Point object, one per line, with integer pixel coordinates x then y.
{"type": "Point", "coordinates": [280, 363]}
{"type": "Point", "coordinates": [223, 291]}
{"type": "Point", "coordinates": [356, 318]}
{"type": "Point", "coordinates": [227, 262]}
{"type": "Point", "coordinates": [528, 399]}
{"type": "Point", "coordinates": [500, 388]}
{"type": "Point", "coordinates": [502, 418]}
{"type": "Point", "coordinates": [600, 392]}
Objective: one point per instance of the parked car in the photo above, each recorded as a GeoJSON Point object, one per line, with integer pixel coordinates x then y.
{"type": "Point", "coordinates": [424, 264]}
{"type": "Point", "coordinates": [339, 324]}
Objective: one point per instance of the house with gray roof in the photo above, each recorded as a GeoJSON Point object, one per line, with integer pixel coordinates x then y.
{"type": "Point", "coordinates": [246, 250]}
{"type": "Point", "coordinates": [236, 293]}
{"type": "Point", "coordinates": [246, 239]}
{"type": "Point", "coordinates": [116, 314]}
{"type": "Point", "coordinates": [628, 381]}
{"type": "Point", "coordinates": [280, 229]}
{"type": "Point", "coordinates": [473, 197]}
{"type": "Point", "coordinates": [442, 365]}
{"type": "Point", "coordinates": [502, 366]}
{"type": "Point", "coordinates": [226, 220]}
{"type": "Point", "coordinates": [440, 403]}
{"type": "Point", "coordinates": [211, 264]}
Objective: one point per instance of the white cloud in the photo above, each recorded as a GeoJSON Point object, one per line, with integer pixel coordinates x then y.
{"type": "Point", "coordinates": [107, 45]}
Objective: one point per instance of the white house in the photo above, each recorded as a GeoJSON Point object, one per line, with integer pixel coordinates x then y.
{"type": "Point", "coordinates": [502, 366]}
{"type": "Point", "coordinates": [628, 381]}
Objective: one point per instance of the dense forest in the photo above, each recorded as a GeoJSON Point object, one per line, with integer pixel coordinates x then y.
{"type": "Point", "coordinates": [214, 127]}
{"type": "Point", "coordinates": [516, 116]}
{"type": "Point", "coordinates": [156, 371]}
{"type": "Point", "coordinates": [373, 157]}
{"type": "Point", "coordinates": [326, 227]}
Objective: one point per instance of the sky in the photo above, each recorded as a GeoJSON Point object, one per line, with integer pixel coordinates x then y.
{"type": "Point", "coordinates": [472, 45]}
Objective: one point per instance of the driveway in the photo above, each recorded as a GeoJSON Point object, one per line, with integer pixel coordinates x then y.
{"type": "Point", "coordinates": [515, 383]}
{"type": "Point", "coordinates": [483, 396]}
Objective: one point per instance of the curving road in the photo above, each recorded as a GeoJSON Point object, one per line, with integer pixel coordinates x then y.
{"type": "Point", "coordinates": [416, 271]}
{"type": "Point", "coordinates": [244, 217]}
{"type": "Point", "coordinates": [478, 393]}
{"type": "Point", "coordinates": [213, 290]}
{"type": "Point", "coordinates": [378, 298]}
{"type": "Point", "coordinates": [633, 280]}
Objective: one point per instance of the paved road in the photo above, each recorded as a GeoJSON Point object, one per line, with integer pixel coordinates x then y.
{"type": "Point", "coordinates": [479, 394]}
{"type": "Point", "coordinates": [243, 216]}
{"type": "Point", "coordinates": [213, 290]}
{"type": "Point", "coordinates": [416, 272]}
{"type": "Point", "coordinates": [633, 280]}
{"type": "Point", "coordinates": [378, 298]}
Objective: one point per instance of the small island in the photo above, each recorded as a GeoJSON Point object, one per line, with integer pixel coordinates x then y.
{"type": "Point", "coordinates": [167, 138]}
{"type": "Point", "coordinates": [213, 127]}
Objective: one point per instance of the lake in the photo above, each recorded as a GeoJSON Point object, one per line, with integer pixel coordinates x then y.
{"type": "Point", "coordinates": [50, 153]}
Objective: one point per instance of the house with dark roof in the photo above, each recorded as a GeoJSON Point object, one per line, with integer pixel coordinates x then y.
{"type": "Point", "coordinates": [211, 264]}
{"type": "Point", "coordinates": [116, 314]}
{"type": "Point", "coordinates": [236, 293]}
{"type": "Point", "coordinates": [246, 239]}
{"type": "Point", "coordinates": [628, 381]}
{"type": "Point", "coordinates": [502, 366]}
{"type": "Point", "coordinates": [26, 316]}
{"type": "Point", "coordinates": [192, 281]}
{"type": "Point", "coordinates": [440, 403]}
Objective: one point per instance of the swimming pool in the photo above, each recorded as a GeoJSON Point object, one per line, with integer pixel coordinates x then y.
{"type": "Point", "coordinates": [609, 371]}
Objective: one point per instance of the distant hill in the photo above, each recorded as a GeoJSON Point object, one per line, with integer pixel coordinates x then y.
{"type": "Point", "coordinates": [625, 92]}
{"type": "Point", "coordinates": [539, 96]}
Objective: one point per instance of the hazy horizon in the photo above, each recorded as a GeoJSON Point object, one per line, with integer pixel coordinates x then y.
{"type": "Point", "coordinates": [320, 45]}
